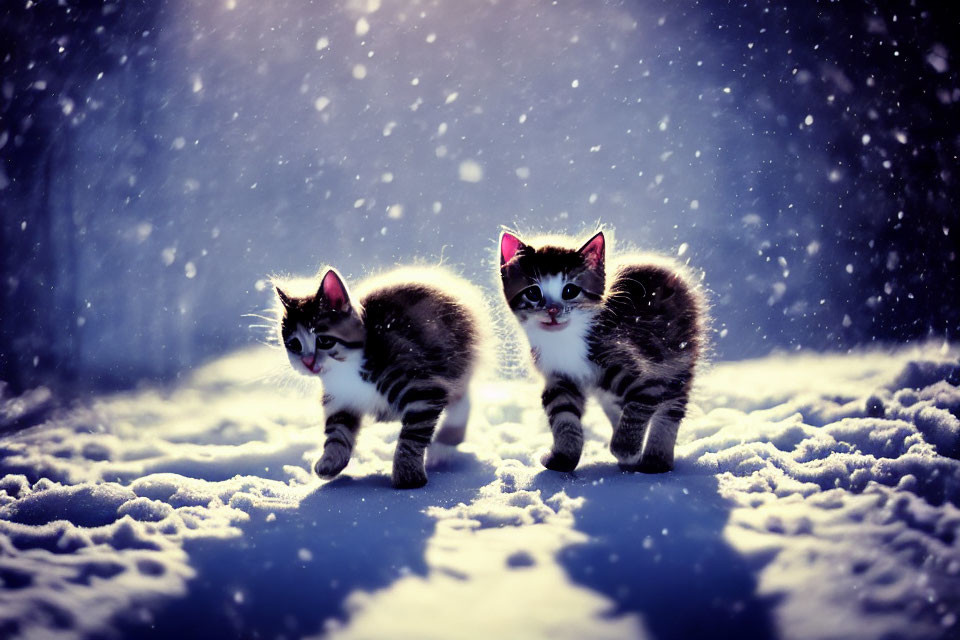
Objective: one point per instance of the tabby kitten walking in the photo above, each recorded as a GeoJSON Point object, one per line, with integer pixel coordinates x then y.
{"type": "Point", "coordinates": [406, 350]}
{"type": "Point", "coordinates": [633, 338]}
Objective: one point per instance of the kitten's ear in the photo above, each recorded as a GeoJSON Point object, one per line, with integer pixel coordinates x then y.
{"type": "Point", "coordinates": [284, 298]}
{"type": "Point", "coordinates": [334, 291]}
{"type": "Point", "coordinates": [593, 251]}
{"type": "Point", "coordinates": [510, 245]}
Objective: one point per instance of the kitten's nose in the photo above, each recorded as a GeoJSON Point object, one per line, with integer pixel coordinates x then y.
{"type": "Point", "coordinates": [309, 360]}
{"type": "Point", "coordinates": [553, 310]}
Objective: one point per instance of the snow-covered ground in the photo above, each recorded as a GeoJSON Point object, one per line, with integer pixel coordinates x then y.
{"type": "Point", "coordinates": [814, 496]}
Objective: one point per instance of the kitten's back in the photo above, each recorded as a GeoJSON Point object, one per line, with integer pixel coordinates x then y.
{"type": "Point", "coordinates": [654, 305]}
{"type": "Point", "coordinates": [432, 321]}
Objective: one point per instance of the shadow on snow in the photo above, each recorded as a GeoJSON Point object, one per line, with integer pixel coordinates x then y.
{"type": "Point", "coordinates": [289, 576]}
{"type": "Point", "coordinates": [656, 549]}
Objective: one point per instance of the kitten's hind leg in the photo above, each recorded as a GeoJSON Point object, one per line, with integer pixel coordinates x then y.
{"type": "Point", "coordinates": [341, 430]}
{"type": "Point", "coordinates": [627, 442]}
{"type": "Point", "coordinates": [421, 410]}
{"type": "Point", "coordinates": [454, 426]}
{"type": "Point", "coordinates": [563, 401]}
{"type": "Point", "coordinates": [662, 436]}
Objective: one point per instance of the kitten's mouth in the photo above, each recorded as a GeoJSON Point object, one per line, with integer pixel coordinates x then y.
{"type": "Point", "coordinates": [553, 325]}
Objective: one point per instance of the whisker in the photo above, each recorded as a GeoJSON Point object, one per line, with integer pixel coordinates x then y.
{"type": "Point", "coordinates": [257, 315]}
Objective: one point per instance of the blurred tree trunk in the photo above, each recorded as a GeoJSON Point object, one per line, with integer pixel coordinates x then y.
{"type": "Point", "coordinates": [51, 57]}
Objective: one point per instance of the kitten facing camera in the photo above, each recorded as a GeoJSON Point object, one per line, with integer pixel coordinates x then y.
{"type": "Point", "coordinates": [405, 348]}
{"type": "Point", "coordinates": [631, 334]}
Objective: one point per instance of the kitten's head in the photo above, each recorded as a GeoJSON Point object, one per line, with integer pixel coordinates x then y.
{"type": "Point", "coordinates": [319, 329]}
{"type": "Point", "coordinates": [547, 286]}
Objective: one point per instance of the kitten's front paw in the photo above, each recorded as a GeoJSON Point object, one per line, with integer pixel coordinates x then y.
{"type": "Point", "coordinates": [409, 475]}
{"type": "Point", "coordinates": [557, 461]}
{"type": "Point", "coordinates": [650, 464]}
{"type": "Point", "coordinates": [330, 464]}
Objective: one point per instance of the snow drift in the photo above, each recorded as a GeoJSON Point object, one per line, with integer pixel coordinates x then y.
{"type": "Point", "coordinates": [814, 496]}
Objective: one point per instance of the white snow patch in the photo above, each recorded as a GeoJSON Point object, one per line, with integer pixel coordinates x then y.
{"type": "Point", "coordinates": [814, 496]}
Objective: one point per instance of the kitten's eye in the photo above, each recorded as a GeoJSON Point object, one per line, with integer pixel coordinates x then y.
{"type": "Point", "coordinates": [325, 342]}
{"type": "Point", "coordinates": [533, 294]}
{"type": "Point", "coordinates": [571, 291]}
{"type": "Point", "coordinates": [295, 346]}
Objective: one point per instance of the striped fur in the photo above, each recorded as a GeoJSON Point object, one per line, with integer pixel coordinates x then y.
{"type": "Point", "coordinates": [406, 351]}
{"type": "Point", "coordinates": [643, 338]}
{"type": "Point", "coordinates": [563, 400]}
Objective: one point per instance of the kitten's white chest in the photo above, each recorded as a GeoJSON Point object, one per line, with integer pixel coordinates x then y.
{"type": "Point", "coordinates": [563, 352]}
{"type": "Point", "coordinates": [347, 388]}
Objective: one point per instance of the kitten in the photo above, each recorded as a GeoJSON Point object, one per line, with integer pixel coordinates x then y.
{"type": "Point", "coordinates": [406, 350]}
{"type": "Point", "coordinates": [632, 338]}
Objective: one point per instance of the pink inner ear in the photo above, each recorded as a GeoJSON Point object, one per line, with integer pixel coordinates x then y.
{"type": "Point", "coordinates": [593, 251]}
{"type": "Point", "coordinates": [509, 245]}
{"type": "Point", "coordinates": [334, 290]}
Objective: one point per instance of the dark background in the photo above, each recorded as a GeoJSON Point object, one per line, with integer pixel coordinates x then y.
{"type": "Point", "coordinates": [160, 158]}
